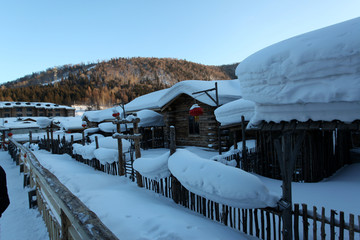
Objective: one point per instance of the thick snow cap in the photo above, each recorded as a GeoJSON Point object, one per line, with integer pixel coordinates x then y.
{"type": "Point", "coordinates": [319, 68]}
{"type": "Point", "coordinates": [218, 182]}
{"type": "Point", "coordinates": [230, 113]}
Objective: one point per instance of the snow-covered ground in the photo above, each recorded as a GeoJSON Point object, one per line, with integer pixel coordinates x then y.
{"type": "Point", "coordinates": [18, 221]}
{"type": "Point", "coordinates": [136, 213]}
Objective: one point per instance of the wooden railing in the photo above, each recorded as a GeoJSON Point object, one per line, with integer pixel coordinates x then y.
{"type": "Point", "coordinates": [63, 212]}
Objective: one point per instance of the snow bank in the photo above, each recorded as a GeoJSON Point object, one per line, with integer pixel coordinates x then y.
{"type": "Point", "coordinates": [230, 113]}
{"type": "Point", "coordinates": [218, 182]}
{"type": "Point", "coordinates": [315, 71]}
{"type": "Point", "coordinates": [102, 115]}
{"type": "Point", "coordinates": [154, 168]}
{"type": "Point", "coordinates": [43, 122]}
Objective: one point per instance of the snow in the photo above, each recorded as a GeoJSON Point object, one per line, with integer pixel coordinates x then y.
{"type": "Point", "coordinates": [18, 221]}
{"type": "Point", "coordinates": [228, 90]}
{"type": "Point", "coordinates": [295, 78]}
{"type": "Point", "coordinates": [230, 113]}
{"type": "Point", "coordinates": [107, 151]}
{"type": "Point", "coordinates": [154, 168]}
{"type": "Point", "coordinates": [102, 115]}
{"type": "Point", "coordinates": [215, 181]}
{"type": "Point", "coordinates": [6, 104]}
{"type": "Point", "coordinates": [149, 118]}
{"type": "Point", "coordinates": [70, 123]}
{"type": "Point", "coordinates": [131, 212]}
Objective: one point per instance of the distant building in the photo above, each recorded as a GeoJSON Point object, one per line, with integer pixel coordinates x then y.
{"type": "Point", "coordinates": [34, 109]}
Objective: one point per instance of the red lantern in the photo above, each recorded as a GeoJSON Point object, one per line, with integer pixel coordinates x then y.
{"type": "Point", "coordinates": [84, 124]}
{"type": "Point", "coordinates": [116, 114]}
{"type": "Point", "coordinates": [10, 134]}
{"type": "Point", "coordinates": [196, 110]}
{"type": "Point", "coordinates": [25, 155]}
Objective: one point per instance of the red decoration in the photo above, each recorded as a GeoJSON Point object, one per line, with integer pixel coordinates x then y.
{"type": "Point", "coordinates": [196, 110]}
{"type": "Point", "coordinates": [25, 155]}
{"type": "Point", "coordinates": [10, 134]}
{"type": "Point", "coordinates": [116, 114]}
{"type": "Point", "coordinates": [84, 124]}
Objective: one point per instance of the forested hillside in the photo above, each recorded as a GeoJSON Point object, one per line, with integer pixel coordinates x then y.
{"type": "Point", "coordinates": [108, 82]}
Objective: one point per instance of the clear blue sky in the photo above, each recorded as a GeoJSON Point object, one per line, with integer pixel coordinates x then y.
{"type": "Point", "coordinates": [39, 34]}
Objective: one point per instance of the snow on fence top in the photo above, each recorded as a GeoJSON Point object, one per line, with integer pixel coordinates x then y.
{"type": "Point", "coordinates": [230, 113]}
{"type": "Point", "coordinates": [154, 168]}
{"type": "Point", "coordinates": [218, 182]}
{"type": "Point", "coordinates": [319, 68]}
{"type": "Point", "coordinates": [228, 90]}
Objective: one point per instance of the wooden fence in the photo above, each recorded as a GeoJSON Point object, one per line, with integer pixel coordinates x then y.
{"type": "Point", "coordinates": [61, 210]}
{"type": "Point", "coordinates": [262, 223]}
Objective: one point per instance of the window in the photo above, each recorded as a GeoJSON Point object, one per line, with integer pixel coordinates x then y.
{"type": "Point", "coordinates": [29, 115]}
{"type": "Point", "coordinates": [19, 115]}
{"type": "Point", "coordinates": [6, 115]}
{"type": "Point", "coordinates": [193, 126]}
{"type": "Point", "coordinates": [29, 109]}
{"type": "Point", "coordinates": [18, 109]}
{"type": "Point", "coordinates": [7, 109]}
{"type": "Point", "coordinates": [57, 114]}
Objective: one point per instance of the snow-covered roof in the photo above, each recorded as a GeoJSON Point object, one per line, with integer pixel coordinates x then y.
{"type": "Point", "coordinates": [228, 90]}
{"type": "Point", "coordinates": [32, 104]}
{"type": "Point", "coordinates": [102, 115]}
{"type": "Point", "coordinates": [149, 118]}
{"type": "Point", "coordinates": [230, 113]}
{"type": "Point", "coordinates": [70, 123]}
{"type": "Point", "coordinates": [310, 76]}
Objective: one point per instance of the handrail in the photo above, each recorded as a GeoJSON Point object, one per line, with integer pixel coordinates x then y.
{"type": "Point", "coordinates": [77, 221]}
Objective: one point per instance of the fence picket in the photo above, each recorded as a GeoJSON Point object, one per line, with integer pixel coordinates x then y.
{"type": "Point", "coordinates": [351, 227]}
{"type": "Point", "coordinates": [342, 225]}
{"type": "Point", "coordinates": [296, 221]}
{"type": "Point", "coordinates": [314, 223]}
{"type": "Point", "coordinates": [332, 225]}
{"type": "Point", "coordinates": [323, 219]}
{"type": "Point", "coordinates": [305, 222]}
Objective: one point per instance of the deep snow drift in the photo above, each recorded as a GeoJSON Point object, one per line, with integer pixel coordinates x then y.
{"type": "Point", "coordinates": [312, 76]}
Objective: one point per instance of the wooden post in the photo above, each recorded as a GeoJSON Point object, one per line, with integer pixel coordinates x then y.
{"type": "Point", "coordinates": [172, 140]}
{"type": "Point", "coordinates": [52, 140]}
{"type": "Point", "coordinates": [121, 161]}
{"type": "Point", "coordinates": [72, 139]}
{"type": "Point", "coordinates": [287, 157]}
{"type": "Point", "coordinates": [47, 140]}
{"type": "Point", "coordinates": [30, 137]}
{"type": "Point", "coordinates": [244, 153]}
{"type": "Point", "coordinates": [153, 137]}
{"type": "Point", "coordinates": [137, 151]}
{"type": "Point", "coordinates": [96, 142]}
{"type": "Point", "coordinates": [83, 138]}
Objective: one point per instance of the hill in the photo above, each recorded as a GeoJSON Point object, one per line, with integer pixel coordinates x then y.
{"type": "Point", "coordinates": [108, 82]}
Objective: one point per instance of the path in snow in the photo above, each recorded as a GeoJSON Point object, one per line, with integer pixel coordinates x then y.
{"type": "Point", "coordinates": [18, 221]}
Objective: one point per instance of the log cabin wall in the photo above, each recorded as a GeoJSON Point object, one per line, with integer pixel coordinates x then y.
{"type": "Point", "coordinates": [177, 114]}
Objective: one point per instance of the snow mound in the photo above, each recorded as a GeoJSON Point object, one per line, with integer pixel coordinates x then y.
{"type": "Point", "coordinates": [218, 182]}
{"type": "Point", "coordinates": [319, 68]}
{"type": "Point", "coordinates": [106, 155]}
{"type": "Point", "coordinates": [154, 168]}
{"type": "Point", "coordinates": [102, 115]}
{"type": "Point", "coordinates": [43, 122]}
{"type": "Point", "coordinates": [111, 143]}
{"type": "Point", "coordinates": [230, 113]}
{"type": "Point", "coordinates": [149, 118]}
{"type": "Point", "coordinates": [87, 151]}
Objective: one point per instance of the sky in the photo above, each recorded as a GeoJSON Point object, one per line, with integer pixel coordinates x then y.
{"type": "Point", "coordinates": [41, 34]}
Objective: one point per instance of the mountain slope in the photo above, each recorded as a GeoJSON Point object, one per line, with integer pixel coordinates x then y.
{"type": "Point", "coordinates": [108, 82]}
